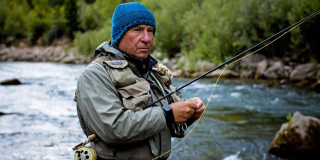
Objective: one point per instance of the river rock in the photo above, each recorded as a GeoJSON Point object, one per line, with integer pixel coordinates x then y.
{"type": "Point", "coordinates": [302, 71]}
{"type": "Point", "coordinates": [69, 59]}
{"type": "Point", "coordinates": [204, 66]}
{"type": "Point", "coordinates": [261, 68]}
{"type": "Point", "coordinates": [247, 74]}
{"type": "Point", "coordinates": [225, 74]}
{"type": "Point", "coordinates": [177, 73]}
{"type": "Point", "coordinates": [252, 60]}
{"type": "Point", "coordinates": [276, 70]}
{"type": "Point", "coordinates": [10, 82]}
{"type": "Point", "coordinates": [298, 139]}
{"type": "Point", "coordinates": [167, 63]}
{"type": "Point", "coordinates": [195, 74]}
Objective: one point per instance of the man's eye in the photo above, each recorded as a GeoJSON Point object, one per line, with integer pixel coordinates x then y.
{"type": "Point", "coordinates": [136, 29]}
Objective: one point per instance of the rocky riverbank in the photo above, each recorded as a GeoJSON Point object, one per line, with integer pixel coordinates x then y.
{"type": "Point", "coordinates": [58, 53]}
{"type": "Point", "coordinates": [255, 66]}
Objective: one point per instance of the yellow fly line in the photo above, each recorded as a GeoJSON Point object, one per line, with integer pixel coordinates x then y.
{"type": "Point", "coordinates": [226, 66]}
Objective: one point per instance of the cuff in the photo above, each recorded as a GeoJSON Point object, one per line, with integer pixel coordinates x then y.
{"type": "Point", "coordinates": [167, 111]}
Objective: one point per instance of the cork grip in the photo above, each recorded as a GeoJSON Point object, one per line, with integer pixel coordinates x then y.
{"type": "Point", "coordinates": [90, 139]}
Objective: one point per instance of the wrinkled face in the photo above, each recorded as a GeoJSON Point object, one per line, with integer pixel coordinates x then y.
{"type": "Point", "coordinates": [138, 41]}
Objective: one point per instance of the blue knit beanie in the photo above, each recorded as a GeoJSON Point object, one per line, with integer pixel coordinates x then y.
{"type": "Point", "coordinates": [127, 15]}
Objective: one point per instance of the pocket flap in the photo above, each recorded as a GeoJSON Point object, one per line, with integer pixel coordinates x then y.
{"type": "Point", "coordinates": [135, 90]}
{"type": "Point", "coordinates": [117, 63]}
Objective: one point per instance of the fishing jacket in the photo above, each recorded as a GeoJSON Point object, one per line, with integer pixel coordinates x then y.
{"type": "Point", "coordinates": [111, 95]}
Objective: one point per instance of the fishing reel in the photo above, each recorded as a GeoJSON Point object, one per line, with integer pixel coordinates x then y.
{"type": "Point", "coordinates": [85, 153]}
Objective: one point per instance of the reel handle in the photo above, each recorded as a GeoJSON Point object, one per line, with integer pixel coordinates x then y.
{"type": "Point", "coordinates": [90, 139]}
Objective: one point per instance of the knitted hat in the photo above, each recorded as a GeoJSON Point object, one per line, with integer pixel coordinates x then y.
{"type": "Point", "coordinates": [127, 15]}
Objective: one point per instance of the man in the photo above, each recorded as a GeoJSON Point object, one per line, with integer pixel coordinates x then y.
{"type": "Point", "coordinates": [115, 90]}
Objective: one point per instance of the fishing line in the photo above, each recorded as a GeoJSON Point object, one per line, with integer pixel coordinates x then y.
{"type": "Point", "coordinates": [234, 61]}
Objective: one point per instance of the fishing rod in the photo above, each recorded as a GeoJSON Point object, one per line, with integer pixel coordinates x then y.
{"type": "Point", "coordinates": [237, 56]}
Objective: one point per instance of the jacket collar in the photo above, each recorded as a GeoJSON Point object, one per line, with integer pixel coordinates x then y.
{"type": "Point", "coordinates": [142, 65]}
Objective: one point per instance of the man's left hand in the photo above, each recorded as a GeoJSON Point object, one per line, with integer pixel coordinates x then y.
{"type": "Point", "coordinates": [199, 109]}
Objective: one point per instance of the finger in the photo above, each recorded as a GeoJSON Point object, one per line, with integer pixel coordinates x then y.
{"type": "Point", "coordinates": [192, 104]}
{"type": "Point", "coordinates": [201, 109]}
{"type": "Point", "coordinates": [198, 101]}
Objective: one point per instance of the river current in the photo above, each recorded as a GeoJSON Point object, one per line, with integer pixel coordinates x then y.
{"type": "Point", "coordinates": [240, 122]}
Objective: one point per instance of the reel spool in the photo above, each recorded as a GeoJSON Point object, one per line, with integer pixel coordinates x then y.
{"type": "Point", "coordinates": [85, 153]}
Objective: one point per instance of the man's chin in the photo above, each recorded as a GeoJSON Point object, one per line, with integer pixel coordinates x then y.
{"type": "Point", "coordinates": [142, 55]}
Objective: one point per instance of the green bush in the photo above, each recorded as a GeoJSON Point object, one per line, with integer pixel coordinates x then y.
{"type": "Point", "coordinates": [94, 16]}
{"type": "Point", "coordinates": [168, 16]}
{"type": "Point", "coordinates": [199, 29]}
{"type": "Point", "coordinates": [221, 29]}
{"type": "Point", "coordinates": [39, 19]}
{"type": "Point", "coordinates": [12, 21]}
{"type": "Point", "coordinates": [88, 41]}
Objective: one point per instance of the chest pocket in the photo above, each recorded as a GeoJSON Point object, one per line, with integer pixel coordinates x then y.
{"type": "Point", "coordinates": [119, 73]}
{"type": "Point", "coordinates": [134, 94]}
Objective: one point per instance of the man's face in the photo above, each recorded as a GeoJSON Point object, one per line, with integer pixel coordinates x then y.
{"type": "Point", "coordinates": [138, 41]}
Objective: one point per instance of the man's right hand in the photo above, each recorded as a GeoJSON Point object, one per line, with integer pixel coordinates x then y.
{"type": "Point", "coordinates": [183, 110]}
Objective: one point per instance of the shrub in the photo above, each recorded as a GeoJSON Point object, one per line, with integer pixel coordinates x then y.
{"type": "Point", "coordinates": [88, 41]}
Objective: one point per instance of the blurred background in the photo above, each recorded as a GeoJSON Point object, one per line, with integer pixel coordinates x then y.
{"type": "Point", "coordinates": [46, 44]}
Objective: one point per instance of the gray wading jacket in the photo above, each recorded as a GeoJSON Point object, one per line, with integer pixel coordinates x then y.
{"type": "Point", "coordinates": [122, 134]}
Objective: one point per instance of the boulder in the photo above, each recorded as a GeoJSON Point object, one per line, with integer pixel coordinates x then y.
{"type": "Point", "coordinates": [261, 68]}
{"type": "Point", "coordinates": [177, 73]}
{"type": "Point", "coordinates": [226, 74]}
{"type": "Point", "coordinates": [252, 60]}
{"type": "Point", "coordinates": [2, 113]}
{"type": "Point", "coordinates": [10, 82]}
{"type": "Point", "coordinates": [298, 139]}
{"type": "Point", "coordinates": [204, 66]}
{"type": "Point", "coordinates": [301, 72]}
{"type": "Point", "coordinates": [69, 59]}
{"type": "Point", "coordinates": [246, 74]}
{"type": "Point", "coordinates": [195, 74]}
{"type": "Point", "coordinates": [167, 63]}
{"type": "Point", "coordinates": [275, 71]}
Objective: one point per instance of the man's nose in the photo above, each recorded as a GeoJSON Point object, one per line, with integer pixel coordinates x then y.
{"type": "Point", "coordinates": [146, 36]}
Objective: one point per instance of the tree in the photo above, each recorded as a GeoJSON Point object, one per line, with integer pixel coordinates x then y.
{"type": "Point", "coordinates": [71, 14]}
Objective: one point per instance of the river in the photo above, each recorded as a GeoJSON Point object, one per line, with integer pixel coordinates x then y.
{"type": "Point", "coordinates": [242, 118]}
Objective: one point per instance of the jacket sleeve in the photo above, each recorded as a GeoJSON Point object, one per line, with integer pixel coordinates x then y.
{"type": "Point", "coordinates": [103, 111]}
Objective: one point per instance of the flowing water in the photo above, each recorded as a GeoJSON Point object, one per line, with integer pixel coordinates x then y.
{"type": "Point", "coordinates": [242, 118]}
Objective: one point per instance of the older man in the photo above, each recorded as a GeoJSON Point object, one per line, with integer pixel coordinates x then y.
{"type": "Point", "coordinates": [115, 90]}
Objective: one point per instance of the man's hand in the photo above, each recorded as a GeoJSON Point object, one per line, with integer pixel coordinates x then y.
{"type": "Point", "coordinates": [183, 110]}
{"type": "Point", "coordinates": [200, 107]}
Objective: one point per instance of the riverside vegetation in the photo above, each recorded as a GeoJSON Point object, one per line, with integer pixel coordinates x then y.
{"type": "Point", "coordinates": [195, 35]}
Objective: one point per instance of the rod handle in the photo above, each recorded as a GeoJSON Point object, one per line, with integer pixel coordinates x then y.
{"type": "Point", "coordinates": [90, 139]}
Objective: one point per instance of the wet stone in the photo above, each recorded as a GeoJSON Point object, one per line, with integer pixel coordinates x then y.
{"type": "Point", "coordinates": [10, 82]}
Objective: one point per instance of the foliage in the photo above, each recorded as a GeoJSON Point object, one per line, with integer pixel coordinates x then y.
{"type": "Point", "coordinates": [12, 21]}
{"type": "Point", "coordinates": [225, 28]}
{"type": "Point", "coordinates": [289, 117]}
{"type": "Point", "coordinates": [94, 16]}
{"type": "Point", "coordinates": [168, 16]}
{"type": "Point", "coordinates": [71, 14]}
{"type": "Point", "coordinates": [88, 41]}
{"type": "Point", "coordinates": [212, 30]}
